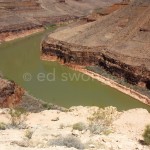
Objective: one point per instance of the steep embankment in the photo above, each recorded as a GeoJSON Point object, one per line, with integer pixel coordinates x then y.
{"type": "Point", "coordinates": [10, 93]}
{"type": "Point", "coordinates": [119, 43]}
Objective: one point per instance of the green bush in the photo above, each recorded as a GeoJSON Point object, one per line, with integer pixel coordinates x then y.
{"type": "Point", "coordinates": [2, 126]}
{"type": "Point", "coordinates": [68, 141]}
{"type": "Point", "coordinates": [79, 126]}
{"type": "Point", "coordinates": [101, 120]}
{"type": "Point", "coordinates": [146, 135]}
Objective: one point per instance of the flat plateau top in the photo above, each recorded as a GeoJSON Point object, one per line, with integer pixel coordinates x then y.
{"type": "Point", "coordinates": [125, 32]}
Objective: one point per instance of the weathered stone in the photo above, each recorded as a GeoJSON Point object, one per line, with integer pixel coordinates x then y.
{"type": "Point", "coordinates": [92, 146]}
{"type": "Point", "coordinates": [75, 133]}
{"type": "Point", "coordinates": [55, 119]}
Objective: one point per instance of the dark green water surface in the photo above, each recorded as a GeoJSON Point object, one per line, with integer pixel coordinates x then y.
{"type": "Point", "coordinates": [53, 82]}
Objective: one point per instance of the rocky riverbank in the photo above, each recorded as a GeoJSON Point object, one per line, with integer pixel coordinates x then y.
{"type": "Point", "coordinates": [57, 130]}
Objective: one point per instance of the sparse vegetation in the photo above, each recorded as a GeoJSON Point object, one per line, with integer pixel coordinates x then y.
{"type": "Point", "coordinates": [146, 135]}
{"type": "Point", "coordinates": [46, 106]}
{"type": "Point", "coordinates": [79, 126]}
{"type": "Point", "coordinates": [68, 141]}
{"type": "Point", "coordinates": [2, 126]}
{"type": "Point", "coordinates": [17, 117]}
{"type": "Point", "coordinates": [50, 106]}
{"type": "Point", "coordinates": [101, 120]}
{"type": "Point", "coordinates": [28, 134]}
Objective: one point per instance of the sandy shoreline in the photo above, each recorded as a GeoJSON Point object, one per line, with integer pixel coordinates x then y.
{"type": "Point", "coordinates": [142, 98]}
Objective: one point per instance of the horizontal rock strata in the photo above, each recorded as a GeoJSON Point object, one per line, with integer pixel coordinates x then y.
{"type": "Point", "coordinates": [82, 55]}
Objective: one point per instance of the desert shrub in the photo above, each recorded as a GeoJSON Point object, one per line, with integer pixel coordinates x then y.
{"type": "Point", "coordinates": [68, 141]}
{"type": "Point", "coordinates": [17, 117]}
{"type": "Point", "coordinates": [2, 126]}
{"type": "Point", "coordinates": [101, 120]}
{"type": "Point", "coordinates": [98, 129]}
{"type": "Point", "coordinates": [146, 135]}
{"type": "Point", "coordinates": [79, 126]}
{"type": "Point", "coordinates": [28, 134]}
{"type": "Point", "coordinates": [45, 105]}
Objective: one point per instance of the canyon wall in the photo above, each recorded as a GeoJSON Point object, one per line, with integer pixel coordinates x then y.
{"type": "Point", "coordinates": [11, 32]}
{"type": "Point", "coordinates": [118, 42]}
{"type": "Point", "coordinates": [86, 56]}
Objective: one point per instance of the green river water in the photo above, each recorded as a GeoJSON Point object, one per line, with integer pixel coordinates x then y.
{"type": "Point", "coordinates": [53, 82]}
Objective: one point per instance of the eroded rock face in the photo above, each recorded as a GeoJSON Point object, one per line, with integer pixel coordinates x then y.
{"type": "Point", "coordinates": [82, 55]}
{"type": "Point", "coordinates": [119, 43]}
{"type": "Point", "coordinates": [10, 93]}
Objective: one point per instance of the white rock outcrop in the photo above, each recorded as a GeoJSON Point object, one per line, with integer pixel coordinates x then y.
{"type": "Point", "coordinates": [44, 127]}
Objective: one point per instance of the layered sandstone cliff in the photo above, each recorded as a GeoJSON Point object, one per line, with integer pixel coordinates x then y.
{"type": "Point", "coordinates": [119, 43]}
